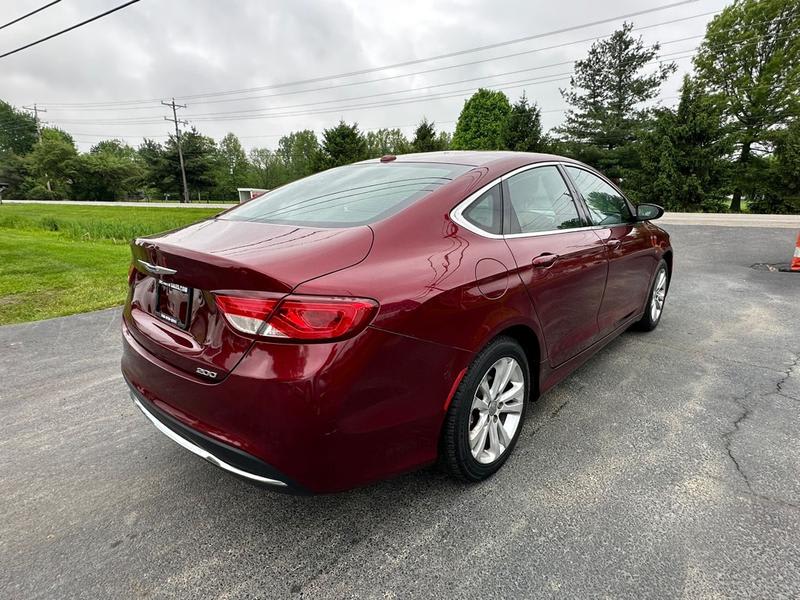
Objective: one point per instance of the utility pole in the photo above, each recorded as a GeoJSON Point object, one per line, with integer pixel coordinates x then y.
{"type": "Point", "coordinates": [36, 110]}
{"type": "Point", "coordinates": [175, 120]}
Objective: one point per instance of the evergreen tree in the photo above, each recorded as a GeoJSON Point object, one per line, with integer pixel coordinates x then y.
{"type": "Point", "coordinates": [341, 145]}
{"type": "Point", "coordinates": [523, 128]}
{"type": "Point", "coordinates": [200, 158]}
{"type": "Point", "coordinates": [751, 57]}
{"type": "Point", "coordinates": [482, 121]}
{"type": "Point", "coordinates": [684, 156]}
{"type": "Point", "coordinates": [605, 96]}
{"type": "Point", "coordinates": [425, 138]}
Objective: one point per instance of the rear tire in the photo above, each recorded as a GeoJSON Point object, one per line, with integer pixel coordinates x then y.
{"type": "Point", "coordinates": [486, 414]}
{"type": "Point", "coordinates": [655, 301]}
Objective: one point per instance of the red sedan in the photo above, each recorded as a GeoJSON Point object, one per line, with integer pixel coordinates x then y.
{"type": "Point", "coordinates": [377, 317]}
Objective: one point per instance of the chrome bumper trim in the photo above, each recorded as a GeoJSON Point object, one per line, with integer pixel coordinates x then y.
{"type": "Point", "coordinates": [195, 449]}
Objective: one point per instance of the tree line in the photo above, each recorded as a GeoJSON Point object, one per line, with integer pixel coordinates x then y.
{"type": "Point", "coordinates": [732, 141]}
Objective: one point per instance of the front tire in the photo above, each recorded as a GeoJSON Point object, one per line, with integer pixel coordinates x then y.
{"type": "Point", "coordinates": [656, 299]}
{"type": "Point", "coordinates": [486, 414]}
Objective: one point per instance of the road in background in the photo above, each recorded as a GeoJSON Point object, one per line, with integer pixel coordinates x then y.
{"type": "Point", "coordinates": [670, 218]}
{"type": "Point", "coordinates": [665, 467]}
{"type": "Point", "coordinates": [136, 204]}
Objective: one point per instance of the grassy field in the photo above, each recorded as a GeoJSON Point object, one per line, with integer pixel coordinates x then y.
{"type": "Point", "coordinates": [61, 260]}
{"type": "Point", "coordinates": [118, 224]}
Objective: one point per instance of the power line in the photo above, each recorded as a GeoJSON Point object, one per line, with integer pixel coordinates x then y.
{"type": "Point", "coordinates": [238, 115]}
{"type": "Point", "coordinates": [452, 54]}
{"type": "Point", "coordinates": [81, 107]}
{"type": "Point", "coordinates": [544, 78]}
{"type": "Point", "coordinates": [399, 64]}
{"type": "Point", "coordinates": [391, 77]}
{"type": "Point", "coordinates": [30, 14]}
{"type": "Point", "coordinates": [81, 24]}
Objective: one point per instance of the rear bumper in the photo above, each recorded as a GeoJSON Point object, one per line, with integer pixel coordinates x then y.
{"type": "Point", "coordinates": [319, 418]}
{"type": "Point", "coordinates": [223, 456]}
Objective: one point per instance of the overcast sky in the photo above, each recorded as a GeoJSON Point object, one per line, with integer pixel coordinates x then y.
{"type": "Point", "coordinates": [157, 49]}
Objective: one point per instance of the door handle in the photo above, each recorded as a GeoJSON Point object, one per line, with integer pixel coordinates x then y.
{"type": "Point", "coordinates": [544, 260]}
{"type": "Point", "coordinates": [613, 243]}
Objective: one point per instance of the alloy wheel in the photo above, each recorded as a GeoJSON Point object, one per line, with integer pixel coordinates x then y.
{"type": "Point", "coordinates": [496, 410]}
{"type": "Point", "coordinates": [659, 294]}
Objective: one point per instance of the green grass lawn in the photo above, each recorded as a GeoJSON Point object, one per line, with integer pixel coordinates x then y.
{"type": "Point", "coordinates": [58, 260]}
{"type": "Point", "coordinates": [115, 223]}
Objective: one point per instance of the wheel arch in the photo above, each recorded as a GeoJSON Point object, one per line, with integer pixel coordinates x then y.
{"type": "Point", "coordinates": [667, 256]}
{"type": "Point", "coordinates": [528, 340]}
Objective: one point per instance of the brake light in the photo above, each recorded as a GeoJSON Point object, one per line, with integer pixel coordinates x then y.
{"type": "Point", "coordinates": [310, 318]}
{"type": "Point", "coordinates": [247, 314]}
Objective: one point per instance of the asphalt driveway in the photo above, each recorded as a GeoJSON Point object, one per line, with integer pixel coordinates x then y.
{"type": "Point", "coordinates": [668, 466]}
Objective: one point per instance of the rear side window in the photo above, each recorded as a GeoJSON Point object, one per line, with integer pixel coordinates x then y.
{"type": "Point", "coordinates": [540, 201]}
{"type": "Point", "coordinates": [486, 212]}
{"type": "Point", "coordinates": [346, 196]}
{"type": "Point", "coordinates": [606, 205]}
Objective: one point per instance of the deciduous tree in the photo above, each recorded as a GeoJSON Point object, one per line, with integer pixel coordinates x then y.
{"type": "Point", "coordinates": [111, 170]}
{"type": "Point", "coordinates": [52, 161]}
{"type": "Point", "coordinates": [751, 57]}
{"type": "Point", "coordinates": [298, 152]}
{"type": "Point", "coordinates": [482, 121]}
{"type": "Point", "coordinates": [386, 141]}
{"type": "Point", "coordinates": [18, 131]}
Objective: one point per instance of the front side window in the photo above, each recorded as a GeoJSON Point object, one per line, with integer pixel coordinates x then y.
{"type": "Point", "coordinates": [540, 201]}
{"type": "Point", "coordinates": [347, 196]}
{"type": "Point", "coordinates": [606, 205]}
{"type": "Point", "coordinates": [486, 212]}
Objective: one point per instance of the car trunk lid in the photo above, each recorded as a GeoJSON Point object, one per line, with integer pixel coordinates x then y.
{"type": "Point", "coordinates": [171, 309]}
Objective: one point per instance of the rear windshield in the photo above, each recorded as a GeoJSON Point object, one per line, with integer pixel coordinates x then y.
{"type": "Point", "coordinates": [346, 196]}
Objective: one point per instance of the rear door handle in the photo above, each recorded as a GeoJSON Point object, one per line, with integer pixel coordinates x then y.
{"type": "Point", "coordinates": [544, 260]}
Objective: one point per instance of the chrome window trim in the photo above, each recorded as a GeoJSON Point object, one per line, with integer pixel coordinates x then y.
{"type": "Point", "coordinates": [457, 216]}
{"type": "Point", "coordinates": [195, 449]}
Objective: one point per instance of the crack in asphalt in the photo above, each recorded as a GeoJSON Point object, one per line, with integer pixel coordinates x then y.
{"type": "Point", "coordinates": [726, 438]}
{"type": "Point", "coordinates": [744, 414]}
{"type": "Point", "coordinates": [551, 416]}
{"type": "Point", "coordinates": [786, 375]}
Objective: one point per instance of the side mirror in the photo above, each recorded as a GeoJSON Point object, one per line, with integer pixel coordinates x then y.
{"type": "Point", "coordinates": [648, 212]}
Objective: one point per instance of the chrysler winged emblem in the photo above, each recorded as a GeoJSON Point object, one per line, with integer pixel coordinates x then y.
{"type": "Point", "coordinates": [155, 269]}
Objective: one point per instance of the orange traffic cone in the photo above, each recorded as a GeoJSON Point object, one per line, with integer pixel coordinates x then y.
{"type": "Point", "coordinates": [796, 258]}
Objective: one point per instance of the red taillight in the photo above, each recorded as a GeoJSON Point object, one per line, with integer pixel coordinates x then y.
{"type": "Point", "coordinates": [298, 317]}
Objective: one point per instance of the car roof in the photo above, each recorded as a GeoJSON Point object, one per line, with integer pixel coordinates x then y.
{"type": "Point", "coordinates": [474, 158]}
